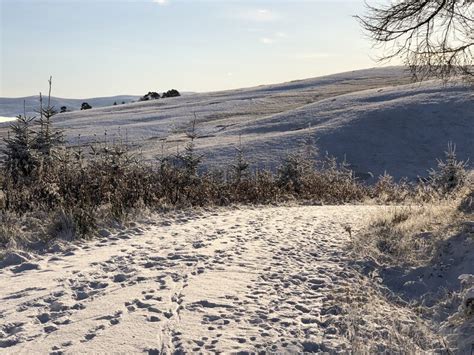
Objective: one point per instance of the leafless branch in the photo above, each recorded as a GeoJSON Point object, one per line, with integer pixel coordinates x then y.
{"type": "Point", "coordinates": [435, 38]}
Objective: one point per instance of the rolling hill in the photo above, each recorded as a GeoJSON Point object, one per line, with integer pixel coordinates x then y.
{"type": "Point", "coordinates": [12, 107]}
{"type": "Point", "coordinates": [375, 119]}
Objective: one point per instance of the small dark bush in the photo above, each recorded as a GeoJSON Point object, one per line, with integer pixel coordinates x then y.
{"type": "Point", "coordinates": [171, 93]}
{"type": "Point", "coordinates": [85, 106]}
{"type": "Point", "coordinates": [152, 95]}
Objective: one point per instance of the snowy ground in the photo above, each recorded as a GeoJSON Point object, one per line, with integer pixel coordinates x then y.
{"type": "Point", "coordinates": [240, 279]}
{"type": "Point", "coordinates": [373, 118]}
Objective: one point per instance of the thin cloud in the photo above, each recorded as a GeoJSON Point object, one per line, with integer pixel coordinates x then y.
{"type": "Point", "coordinates": [161, 2]}
{"type": "Point", "coordinates": [267, 40]}
{"type": "Point", "coordinates": [278, 36]}
{"type": "Point", "coordinates": [259, 15]}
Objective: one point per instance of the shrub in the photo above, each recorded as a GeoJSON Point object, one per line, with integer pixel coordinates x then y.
{"type": "Point", "coordinates": [85, 106]}
{"type": "Point", "coordinates": [83, 186]}
{"type": "Point", "coordinates": [21, 160]}
{"type": "Point", "coordinates": [387, 190]}
{"type": "Point", "coordinates": [450, 175]}
{"type": "Point", "coordinates": [239, 168]}
{"type": "Point", "coordinates": [152, 95]}
{"type": "Point", "coordinates": [467, 203]}
{"type": "Point", "coordinates": [171, 93]}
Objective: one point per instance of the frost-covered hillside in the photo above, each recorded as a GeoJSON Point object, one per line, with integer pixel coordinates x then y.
{"type": "Point", "coordinates": [374, 118]}
{"type": "Point", "coordinates": [12, 107]}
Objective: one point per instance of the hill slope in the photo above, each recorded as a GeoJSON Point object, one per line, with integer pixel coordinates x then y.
{"type": "Point", "coordinates": [374, 118]}
{"type": "Point", "coordinates": [11, 107]}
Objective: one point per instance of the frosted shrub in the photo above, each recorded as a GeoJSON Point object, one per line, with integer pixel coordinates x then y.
{"type": "Point", "coordinates": [450, 175]}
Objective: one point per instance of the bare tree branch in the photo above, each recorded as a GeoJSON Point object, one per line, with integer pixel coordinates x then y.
{"type": "Point", "coordinates": [435, 38]}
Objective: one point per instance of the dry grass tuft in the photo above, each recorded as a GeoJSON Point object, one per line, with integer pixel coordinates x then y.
{"type": "Point", "coordinates": [410, 235]}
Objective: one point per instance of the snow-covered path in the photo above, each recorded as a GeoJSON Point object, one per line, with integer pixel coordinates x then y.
{"type": "Point", "coordinates": [240, 279]}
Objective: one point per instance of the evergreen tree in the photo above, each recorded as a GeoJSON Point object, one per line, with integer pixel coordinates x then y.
{"type": "Point", "coordinates": [240, 166]}
{"type": "Point", "coordinates": [47, 138]}
{"type": "Point", "coordinates": [451, 173]}
{"type": "Point", "coordinates": [21, 158]}
{"type": "Point", "coordinates": [189, 160]}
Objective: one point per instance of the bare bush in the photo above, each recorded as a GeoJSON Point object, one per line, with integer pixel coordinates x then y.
{"type": "Point", "coordinates": [81, 187]}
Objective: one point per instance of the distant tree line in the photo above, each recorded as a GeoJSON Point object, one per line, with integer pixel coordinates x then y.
{"type": "Point", "coordinates": [153, 95]}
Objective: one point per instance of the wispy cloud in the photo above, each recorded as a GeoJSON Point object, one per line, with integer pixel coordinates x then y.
{"type": "Point", "coordinates": [267, 40]}
{"type": "Point", "coordinates": [278, 36]}
{"type": "Point", "coordinates": [259, 15]}
{"type": "Point", "coordinates": [161, 2]}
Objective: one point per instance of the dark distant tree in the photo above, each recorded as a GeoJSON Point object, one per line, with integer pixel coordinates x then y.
{"type": "Point", "coordinates": [63, 109]}
{"type": "Point", "coordinates": [123, 102]}
{"type": "Point", "coordinates": [115, 103]}
{"type": "Point", "coordinates": [85, 106]}
{"type": "Point", "coordinates": [152, 95]}
{"type": "Point", "coordinates": [171, 93]}
{"type": "Point", "coordinates": [434, 38]}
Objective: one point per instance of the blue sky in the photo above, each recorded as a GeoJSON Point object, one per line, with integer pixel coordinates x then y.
{"type": "Point", "coordinates": [110, 47]}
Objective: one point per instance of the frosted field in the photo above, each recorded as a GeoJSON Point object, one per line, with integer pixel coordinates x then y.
{"type": "Point", "coordinates": [374, 118]}
{"type": "Point", "coordinates": [252, 279]}
{"type": "Point", "coordinates": [275, 279]}
{"type": "Point", "coordinates": [6, 119]}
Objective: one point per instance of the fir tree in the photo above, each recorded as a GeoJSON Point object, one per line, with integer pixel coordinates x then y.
{"type": "Point", "coordinates": [47, 138]}
{"type": "Point", "coordinates": [21, 159]}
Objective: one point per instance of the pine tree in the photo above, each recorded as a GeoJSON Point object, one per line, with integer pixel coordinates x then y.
{"type": "Point", "coordinates": [451, 173]}
{"type": "Point", "coordinates": [240, 166]}
{"type": "Point", "coordinates": [47, 138]}
{"type": "Point", "coordinates": [189, 159]}
{"type": "Point", "coordinates": [21, 158]}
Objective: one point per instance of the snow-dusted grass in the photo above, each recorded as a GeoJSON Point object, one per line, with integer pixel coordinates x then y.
{"type": "Point", "coordinates": [410, 235]}
{"type": "Point", "coordinates": [275, 279]}
{"type": "Point", "coordinates": [424, 254]}
{"type": "Point", "coordinates": [373, 118]}
{"type": "Point", "coordinates": [290, 278]}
